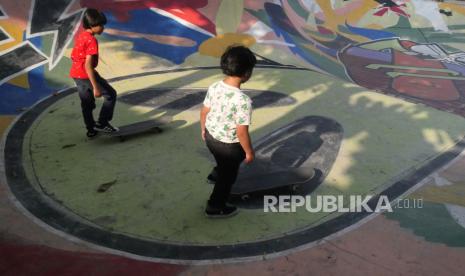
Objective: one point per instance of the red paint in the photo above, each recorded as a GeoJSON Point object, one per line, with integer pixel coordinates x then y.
{"type": "Point", "coordinates": [425, 88]}
{"type": "Point", "coordinates": [186, 10]}
{"type": "Point", "coordinates": [325, 31]}
{"type": "Point", "coordinates": [407, 44]}
{"type": "Point", "coordinates": [381, 12]}
{"type": "Point", "coordinates": [19, 259]}
{"type": "Point", "coordinates": [398, 10]}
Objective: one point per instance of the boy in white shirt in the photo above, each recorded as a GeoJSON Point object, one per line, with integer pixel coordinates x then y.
{"type": "Point", "coordinates": [224, 119]}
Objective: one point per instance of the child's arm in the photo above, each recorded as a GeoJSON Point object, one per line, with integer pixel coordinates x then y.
{"type": "Point", "coordinates": [244, 139]}
{"type": "Point", "coordinates": [91, 73]}
{"type": "Point", "coordinates": [203, 117]}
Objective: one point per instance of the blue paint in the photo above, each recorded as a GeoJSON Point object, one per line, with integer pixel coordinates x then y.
{"type": "Point", "coordinates": [149, 22]}
{"type": "Point", "coordinates": [275, 16]}
{"type": "Point", "coordinates": [326, 50]}
{"type": "Point", "coordinates": [14, 98]}
{"type": "Point", "coordinates": [370, 33]}
{"type": "Point", "coordinates": [36, 41]}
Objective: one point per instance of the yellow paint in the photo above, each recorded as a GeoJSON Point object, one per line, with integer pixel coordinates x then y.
{"type": "Point", "coordinates": [333, 20]}
{"type": "Point", "coordinates": [217, 45]}
{"type": "Point", "coordinates": [14, 31]}
{"type": "Point", "coordinates": [21, 81]}
{"type": "Point", "coordinates": [453, 194]}
{"type": "Point", "coordinates": [453, 7]}
{"type": "Point", "coordinates": [375, 26]}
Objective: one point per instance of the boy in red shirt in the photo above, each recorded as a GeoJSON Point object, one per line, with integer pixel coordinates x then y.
{"type": "Point", "coordinates": [88, 82]}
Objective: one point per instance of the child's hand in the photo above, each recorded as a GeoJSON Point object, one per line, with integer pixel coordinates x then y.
{"type": "Point", "coordinates": [97, 92]}
{"type": "Point", "coordinates": [203, 135]}
{"type": "Point", "coordinates": [249, 157]}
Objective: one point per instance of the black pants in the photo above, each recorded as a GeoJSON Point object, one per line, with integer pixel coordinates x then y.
{"type": "Point", "coordinates": [86, 94]}
{"type": "Point", "coordinates": [228, 159]}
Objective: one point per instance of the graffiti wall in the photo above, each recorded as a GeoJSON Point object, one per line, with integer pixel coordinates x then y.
{"type": "Point", "coordinates": [409, 48]}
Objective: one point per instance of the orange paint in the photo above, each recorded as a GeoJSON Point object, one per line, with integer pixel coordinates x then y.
{"type": "Point", "coordinates": [216, 46]}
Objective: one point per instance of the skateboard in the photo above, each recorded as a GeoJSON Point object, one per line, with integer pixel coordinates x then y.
{"type": "Point", "coordinates": [152, 125]}
{"type": "Point", "coordinates": [291, 178]}
{"type": "Point", "coordinates": [293, 157]}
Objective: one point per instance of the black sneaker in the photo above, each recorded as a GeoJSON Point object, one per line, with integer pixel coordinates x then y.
{"type": "Point", "coordinates": [225, 212]}
{"type": "Point", "coordinates": [105, 128]}
{"type": "Point", "coordinates": [91, 133]}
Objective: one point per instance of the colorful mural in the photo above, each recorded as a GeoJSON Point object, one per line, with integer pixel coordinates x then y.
{"type": "Point", "coordinates": [328, 36]}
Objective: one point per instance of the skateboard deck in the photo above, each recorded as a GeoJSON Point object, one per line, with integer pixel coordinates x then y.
{"type": "Point", "coordinates": [152, 125]}
{"type": "Point", "coordinates": [293, 156]}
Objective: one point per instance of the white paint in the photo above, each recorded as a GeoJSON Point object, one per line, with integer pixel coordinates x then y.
{"type": "Point", "coordinates": [457, 212]}
{"type": "Point", "coordinates": [178, 10]}
{"type": "Point", "coordinates": [430, 11]}
{"type": "Point", "coordinates": [182, 21]}
{"type": "Point", "coordinates": [258, 29]}
{"type": "Point", "coordinates": [440, 181]}
{"type": "Point", "coordinates": [333, 4]}
{"type": "Point", "coordinates": [432, 50]}
{"type": "Point", "coordinates": [9, 39]}
{"type": "Point", "coordinates": [4, 16]}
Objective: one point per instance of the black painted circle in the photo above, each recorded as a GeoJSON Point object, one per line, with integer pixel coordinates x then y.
{"type": "Point", "coordinates": [38, 204]}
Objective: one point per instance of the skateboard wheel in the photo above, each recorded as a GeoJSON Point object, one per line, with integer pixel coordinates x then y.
{"type": "Point", "coordinates": [245, 197]}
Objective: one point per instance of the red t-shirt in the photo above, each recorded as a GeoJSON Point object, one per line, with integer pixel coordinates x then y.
{"type": "Point", "coordinates": [85, 44]}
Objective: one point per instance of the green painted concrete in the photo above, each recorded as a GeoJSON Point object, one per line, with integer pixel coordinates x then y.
{"type": "Point", "coordinates": [433, 222]}
{"type": "Point", "coordinates": [160, 188]}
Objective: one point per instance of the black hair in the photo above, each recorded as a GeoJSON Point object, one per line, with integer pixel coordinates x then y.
{"type": "Point", "coordinates": [93, 18]}
{"type": "Point", "coordinates": [238, 61]}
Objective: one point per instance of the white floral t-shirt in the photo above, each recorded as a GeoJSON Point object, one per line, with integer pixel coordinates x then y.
{"type": "Point", "coordinates": [229, 106]}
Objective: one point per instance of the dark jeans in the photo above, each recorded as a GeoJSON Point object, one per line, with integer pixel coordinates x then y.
{"type": "Point", "coordinates": [228, 159]}
{"type": "Point", "coordinates": [86, 94]}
